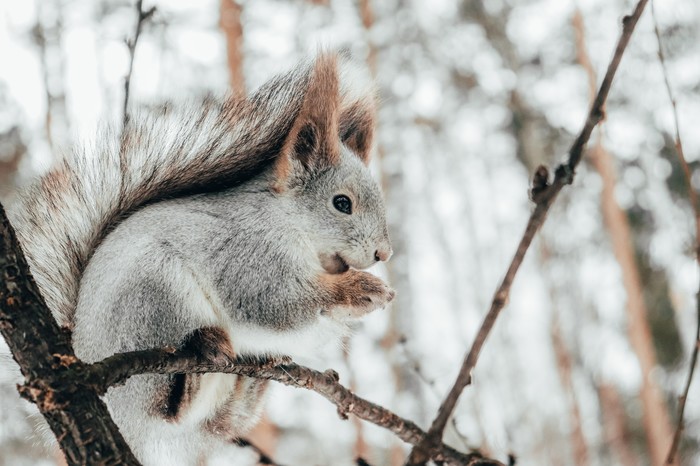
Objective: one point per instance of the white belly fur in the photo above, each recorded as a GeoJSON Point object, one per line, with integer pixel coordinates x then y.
{"type": "Point", "coordinates": [309, 342]}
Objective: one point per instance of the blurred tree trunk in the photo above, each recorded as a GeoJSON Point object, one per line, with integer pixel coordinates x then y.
{"type": "Point", "coordinates": [47, 34]}
{"type": "Point", "coordinates": [534, 135]}
{"type": "Point", "coordinates": [230, 23]}
{"type": "Point", "coordinates": [656, 420]}
{"type": "Point", "coordinates": [398, 268]}
{"type": "Point", "coordinates": [360, 447]}
{"type": "Point", "coordinates": [565, 366]}
{"type": "Point", "coordinates": [615, 425]}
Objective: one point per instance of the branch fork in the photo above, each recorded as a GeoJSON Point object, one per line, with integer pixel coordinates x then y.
{"type": "Point", "coordinates": [543, 194]}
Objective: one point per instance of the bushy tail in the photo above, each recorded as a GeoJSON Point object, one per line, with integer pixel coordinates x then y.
{"type": "Point", "coordinates": [176, 151]}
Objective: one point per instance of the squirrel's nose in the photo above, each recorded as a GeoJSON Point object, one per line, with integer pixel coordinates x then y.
{"type": "Point", "coordinates": [382, 254]}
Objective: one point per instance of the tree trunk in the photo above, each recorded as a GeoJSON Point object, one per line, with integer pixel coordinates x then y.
{"type": "Point", "coordinates": [230, 23]}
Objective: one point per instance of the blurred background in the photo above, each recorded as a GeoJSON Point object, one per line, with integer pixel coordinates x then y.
{"type": "Point", "coordinates": [587, 361]}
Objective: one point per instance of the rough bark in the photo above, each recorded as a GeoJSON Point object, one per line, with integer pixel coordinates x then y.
{"type": "Point", "coordinates": [74, 411]}
{"type": "Point", "coordinates": [118, 368]}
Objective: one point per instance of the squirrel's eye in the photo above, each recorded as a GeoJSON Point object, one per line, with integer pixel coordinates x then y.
{"type": "Point", "coordinates": [343, 204]}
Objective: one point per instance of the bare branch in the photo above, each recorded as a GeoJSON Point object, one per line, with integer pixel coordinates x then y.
{"type": "Point", "coordinates": [695, 203]}
{"type": "Point", "coordinates": [544, 195]}
{"type": "Point", "coordinates": [142, 16]}
{"type": "Point", "coordinates": [118, 368]}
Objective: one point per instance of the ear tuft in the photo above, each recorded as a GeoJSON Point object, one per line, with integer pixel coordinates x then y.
{"type": "Point", "coordinates": [321, 108]}
{"type": "Point", "coordinates": [312, 141]}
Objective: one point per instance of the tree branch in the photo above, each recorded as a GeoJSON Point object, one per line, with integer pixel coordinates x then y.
{"type": "Point", "coordinates": [67, 391]}
{"type": "Point", "coordinates": [118, 368]}
{"type": "Point", "coordinates": [75, 413]}
{"type": "Point", "coordinates": [544, 195]}
{"type": "Point", "coordinates": [695, 204]}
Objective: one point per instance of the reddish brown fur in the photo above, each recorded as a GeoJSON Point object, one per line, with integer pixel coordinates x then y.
{"type": "Point", "coordinates": [321, 107]}
{"type": "Point", "coordinates": [212, 343]}
{"type": "Point", "coordinates": [353, 289]}
{"type": "Point", "coordinates": [316, 124]}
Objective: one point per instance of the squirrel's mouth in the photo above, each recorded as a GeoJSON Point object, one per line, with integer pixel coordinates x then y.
{"type": "Point", "coordinates": [334, 264]}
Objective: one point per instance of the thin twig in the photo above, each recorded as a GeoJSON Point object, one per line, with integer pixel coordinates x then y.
{"type": "Point", "coordinates": [544, 195]}
{"type": "Point", "coordinates": [118, 368]}
{"type": "Point", "coordinates": [142, 16]}
{"type": "Point", "coordinates": [692, 195]}
{"type": "Point", "coordinates": [684, 397]}
{"type": "Point", "coordinates": [430, 383]}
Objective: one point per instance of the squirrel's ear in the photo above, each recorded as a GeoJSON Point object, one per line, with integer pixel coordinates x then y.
{"type": "Point", "coordinates": [312, 143]}
{"type": "Point", "coordinates": [357, 128]}
{"type": "Point", "coordinates": [357, 109]}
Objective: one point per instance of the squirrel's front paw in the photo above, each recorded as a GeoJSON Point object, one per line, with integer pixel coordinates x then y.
{"type": "Point", "coordinates": [357, 293]}
{"type": "Point", "coordinates": [374, 295]}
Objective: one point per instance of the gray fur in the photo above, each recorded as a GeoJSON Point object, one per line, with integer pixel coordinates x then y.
{"type": "Point", "coordinates": [242, 248]}
{"type": "Point", "coordinates": [181, 149]}
{"type": "Point", "coordinates": [262, 259]}
{"type": "Point", "coordinates": [244, 244]}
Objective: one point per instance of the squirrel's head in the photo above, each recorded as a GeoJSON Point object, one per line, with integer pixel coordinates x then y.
{"type": "Point", "coordinates": [345, 209]}
{"type": "Point", "coordinates": [323, 169]}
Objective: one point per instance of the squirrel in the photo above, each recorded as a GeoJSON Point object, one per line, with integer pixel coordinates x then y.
{"type": "Point", "coordinates": [233, 228]}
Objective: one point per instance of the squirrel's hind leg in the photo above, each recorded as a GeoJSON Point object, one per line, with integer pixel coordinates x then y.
{"type": "Point", "coordinates": [210, 344]}
{"type": "Point", "coordinates": [241, 411]}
